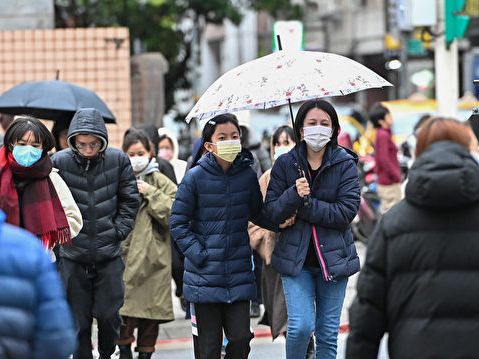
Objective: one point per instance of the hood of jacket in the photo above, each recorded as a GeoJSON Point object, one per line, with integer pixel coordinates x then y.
{"type": "Point", "coordinates": [243, 160]}
{"type": "Point", "coordinates": [444, 176]}
{"type": "Point", "coordinates": [87, 121]}
{"type": "Point", "coordinates": [163, 131]}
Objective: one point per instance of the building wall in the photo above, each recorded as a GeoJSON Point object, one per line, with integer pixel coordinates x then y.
{"type": "Point", "coordinates": [225, 47]}
{"type": "Point", "coordinates": [96, 58]}
{"type": "Point", "coordinates": [26, 14]}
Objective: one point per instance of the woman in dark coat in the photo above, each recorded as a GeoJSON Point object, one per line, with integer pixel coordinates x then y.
{"type": "Point", "coordinates": [316, 255]}
{"type": "Point", "coordinates": [420, 281]}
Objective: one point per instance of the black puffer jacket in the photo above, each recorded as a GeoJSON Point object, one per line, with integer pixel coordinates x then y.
{"type": "Point", "coordinates": [104, 189]}
{"type": "Point", "coordinates": [420, 282]}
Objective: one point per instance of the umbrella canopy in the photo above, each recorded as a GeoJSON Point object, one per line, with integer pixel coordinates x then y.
{"type": "Point", "coordinates": [52, 100]}
{"type": "Point", "coordinates": [283, 77]}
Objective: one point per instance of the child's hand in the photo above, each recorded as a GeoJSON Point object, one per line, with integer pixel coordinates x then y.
{"type": "Point", "coordinates": [289, 222]}
{"type": "Point", "coordinates": [142, 186]}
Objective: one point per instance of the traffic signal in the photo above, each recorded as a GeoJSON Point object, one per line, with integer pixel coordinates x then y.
{"type": "Point", "coordinates": [455, 23]}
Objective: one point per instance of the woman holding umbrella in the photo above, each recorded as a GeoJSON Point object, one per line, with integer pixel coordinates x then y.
{"type": "Point", "coordinates": [316, 255]}
{"type": "Point", "coordinates": [32, 194]}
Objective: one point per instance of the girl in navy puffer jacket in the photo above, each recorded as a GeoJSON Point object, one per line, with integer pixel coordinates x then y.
{"type": "Point", "coordinates": [316, 255]}
{"type": "Point", "coordinates": [209, 223]}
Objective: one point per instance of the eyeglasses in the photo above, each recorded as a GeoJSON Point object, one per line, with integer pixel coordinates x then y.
{"type": "Point", "coordinates": [91, 146]}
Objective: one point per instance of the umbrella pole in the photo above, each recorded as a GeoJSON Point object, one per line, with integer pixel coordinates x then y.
{"type": "Point", "coordinates": [297, 140]}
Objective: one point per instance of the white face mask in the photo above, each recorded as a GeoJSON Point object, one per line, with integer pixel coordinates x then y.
{"type": "Point", "coordinates": [281, 150]}
{"type": "Point", "coordinates": [139, 163]}
{"type": "Point", "coordinates": [317, 137]}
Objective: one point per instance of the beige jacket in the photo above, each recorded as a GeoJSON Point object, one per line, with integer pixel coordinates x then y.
{"type": "Point", "coordinates": [74, 217]}
{"type": "Point", "coordinates": [262, 240]}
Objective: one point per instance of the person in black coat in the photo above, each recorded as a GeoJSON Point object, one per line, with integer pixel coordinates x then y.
{"type": "Point", "coordinates": [419, 282]}
{"type": "Point", "coordinates": [102, 183]}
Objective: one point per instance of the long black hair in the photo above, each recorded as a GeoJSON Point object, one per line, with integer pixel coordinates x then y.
{"type": "Point", "coordinates": [22, 124]}
{"type": "Point", "coordinates": [210, 128]}
{"type": "Point", "coordinates": [322, 105]}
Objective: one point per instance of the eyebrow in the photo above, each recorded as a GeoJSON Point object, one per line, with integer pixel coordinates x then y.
{"type": "Point", "coordinates": [26, 141]}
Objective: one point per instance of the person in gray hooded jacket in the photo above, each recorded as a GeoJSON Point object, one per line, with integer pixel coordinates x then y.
{"type": "Point", "coordinates": [102, 183]}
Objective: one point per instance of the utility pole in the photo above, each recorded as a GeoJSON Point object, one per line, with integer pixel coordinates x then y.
{"type": "Point", "coordinates": [446, 68]}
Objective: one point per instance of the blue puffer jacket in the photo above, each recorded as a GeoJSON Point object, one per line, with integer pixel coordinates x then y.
{"type": "Point", "coordinates": [209, 223]}
{"type": "Point", "coordinates": [35, 320]}
{"type": "Point", "coordinates": [334, 202]}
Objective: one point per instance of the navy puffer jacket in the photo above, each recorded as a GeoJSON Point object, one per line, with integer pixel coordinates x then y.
{"type": "Point", "coordinates": [104, 189]}
{"type": "Point", "coordinates": [35, 320]}
{"type": "Point", "coordinates": [334, 202]}
{"type": "Point", "coordinates": [209, 224]}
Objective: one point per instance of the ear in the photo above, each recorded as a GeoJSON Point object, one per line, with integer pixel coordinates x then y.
{"type": "Point", "coordinates": [209, 147]}
{"type": "Point", "coordinates": [301, 131]}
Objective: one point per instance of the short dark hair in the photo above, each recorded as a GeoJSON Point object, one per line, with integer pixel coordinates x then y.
{"type": "Point", "coordinates": [133, 136]}
{"type": "Point", "coordinates": [377, 113]}
{"type": "Point", "coordinates": [22, 124]}
{"type": "Point", "coordinates": [279, 131]}
{"type": "Point", "coordinates": [322, 105]}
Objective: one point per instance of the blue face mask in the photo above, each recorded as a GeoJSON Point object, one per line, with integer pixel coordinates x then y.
{"type": "Point", "coordinates": [278, 151]}
{"type": "Point", "coordinates": [26, 155]}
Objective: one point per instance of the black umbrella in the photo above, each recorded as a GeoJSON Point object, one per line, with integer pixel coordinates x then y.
{"type": "Point", "coordinates": [52, 100]}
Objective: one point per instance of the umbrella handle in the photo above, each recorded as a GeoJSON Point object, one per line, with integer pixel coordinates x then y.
{"type": "Point", "coordinates": [306, 199]}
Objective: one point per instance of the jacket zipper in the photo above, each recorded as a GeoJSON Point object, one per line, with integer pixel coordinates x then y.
{"type": "Point", "coordinates": [322, 263]}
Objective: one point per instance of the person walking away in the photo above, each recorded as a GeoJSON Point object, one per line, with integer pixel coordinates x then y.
{"type": "Point", "coordinates": [316, 255]}
{"type": "Point", "coordinates": [385, 152]}
{"type": "Point", "coordinates": [419, 282]}
{"type": "Point", "coordinates": [209, 224]}
{"type": "Point", "coordinates": [103, 185]}
{"type": "Point", "coordinates": [29, 185]}
{"type": "Point", "coordinates": [147, 252]}
{"type": "Point", "coordinates": [35, 321]}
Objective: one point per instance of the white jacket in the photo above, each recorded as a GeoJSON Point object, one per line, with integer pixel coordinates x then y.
{"type": "Point", "coordinates": [74, 217]}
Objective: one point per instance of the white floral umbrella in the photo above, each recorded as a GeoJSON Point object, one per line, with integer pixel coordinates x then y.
{"type": "Point", "coordinates": [284, 77]}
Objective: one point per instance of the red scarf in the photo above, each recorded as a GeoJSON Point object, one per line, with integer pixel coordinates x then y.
{"type": "Point", "coordinates": [42, 212]}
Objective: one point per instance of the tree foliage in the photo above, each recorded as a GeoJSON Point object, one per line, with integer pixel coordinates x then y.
{"type": "Point", "coordinates": [157, 24]}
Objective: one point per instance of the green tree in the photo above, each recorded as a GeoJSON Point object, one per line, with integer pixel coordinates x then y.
{"type": "Point", "coordinates": [158, 24]}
